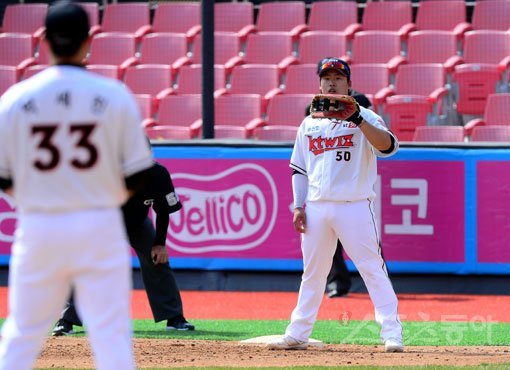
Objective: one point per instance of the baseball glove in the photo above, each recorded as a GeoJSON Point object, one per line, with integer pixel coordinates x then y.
{"type": "Point", "coordinates": [341, 107]}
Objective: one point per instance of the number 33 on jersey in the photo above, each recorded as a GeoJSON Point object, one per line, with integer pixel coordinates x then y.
{"type": "Point", "coordinates": [68, 137]}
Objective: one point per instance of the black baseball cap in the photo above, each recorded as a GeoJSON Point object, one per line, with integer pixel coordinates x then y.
{"type": "Point", "coordinates": [67, 27]}
{"type": "Point", "coordinates": [334, 64]}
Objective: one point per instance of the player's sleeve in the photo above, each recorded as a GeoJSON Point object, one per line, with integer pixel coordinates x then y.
{"type": "Point", "coordinates": [165, 202]}
{"type": "Point", "coordinates": [375, 120]}
{"type": "Point", "coordinates": [136, 153]}
{"type": "Point", "coordinates": [5, 169]}
{"type": "Point", "coordinates": [298, 157]}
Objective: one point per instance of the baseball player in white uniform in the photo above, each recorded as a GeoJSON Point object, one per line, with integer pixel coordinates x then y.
{"type": "Point", "coordinates": [71, 151]}
{"type": "Point", "coordinates": [334, 171]}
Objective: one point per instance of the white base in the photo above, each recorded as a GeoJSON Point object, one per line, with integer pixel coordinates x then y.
{"type": "Point", "coordinates": [269, 338]}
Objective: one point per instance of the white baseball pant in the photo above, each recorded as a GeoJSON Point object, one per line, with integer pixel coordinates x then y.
{"type": "Point", "coordinates": [51, 253]}
{"type": "Point", "coordinates": [355, 225]}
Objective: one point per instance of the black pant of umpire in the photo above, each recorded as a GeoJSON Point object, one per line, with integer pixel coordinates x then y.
{"type": "Point", "coordinates": [159, 281]}
{"type": "Point", "coordinates": [339, 279]}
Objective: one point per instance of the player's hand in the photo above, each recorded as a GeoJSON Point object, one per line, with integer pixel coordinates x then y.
{"type": "Point", "coordinates": [159, 254]}
{"type": "Point", "coordinates": [299, 220]}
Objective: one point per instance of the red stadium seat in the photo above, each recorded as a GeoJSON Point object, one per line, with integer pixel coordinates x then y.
{"type": "Point", "coordinates": [496, 133]}
{"type": "Point", "coordinates": [152, 79]}
{"type": "Point", "coordinates": [16, 51]}
{"type": "Point", "coordinates": [255, 79]}
{"type": "Point", "coordinates": [302, 79]}
{"type": "Point", "coordinates": [496, 112]}
{"type": "Point", "coordinates": [42, 55]}
{"type": "Point", "coordinates": [276, 133]}
{"type": "Point", "coordinates": [25, 18]}
{"type": "Point", "coordinates": [377, 47]}
{"type": "Point", "coordinates": [166, 49]}
{"type": "Point", "coordinates": [113, 49]}
{"type": "Point", "coordinates": [339, 16]}
{"type": "Point", "coordinates": [92, 10]}
{"type": "Point", "coordinates": [131, 18]}
{"type": "Point", "coordinates": [372, 80]}
{"type": "Point", "coordinates": [322, 43]}
{"type": "Point", "coordinates": [8, 77]}
{"type": "Point", "coordinates": [33, 70]}
{"type": "Point", "coordinates": [270, 48]}
{"type": "Point", "coordinates": [285, 16]}
{"type": "Point", "coordinates": [241, 110]}
{"type": "Point", "coordinates": [433, 47]}
{"type": "Point", "coordinates": [487, 62]}
{"type": "Point", "coordinates": [443, 16]}
{"type": "Point", "coordinates": [189, 79]}
{"type": "Point", "coordinates": [450, 134]}
{"type": "Point", "coordinates": [389, 16]}
{"type": "Point", "coordinates": [145, 103]}
{"type": "Point", "coordinates": [104, 70]}
{"type": "Point", "coordinates": [167, 133]}
{"type": "Point", "coordinates": [229, 132]}
{"type": "Point", "coordinates": [419, 98]}
{"type": "Point", "coordinates": [491, 15]}
{"type": "Point", "coordinates": [287, 109]}
{"type": "Point", "coordinates": [178, 17]}
{"type": "Point", "coordinates": [236, 17]}
{"type": "Point", "coordinates": [226, 49]}
{"type": "Point", "coordinates": [182, 112]}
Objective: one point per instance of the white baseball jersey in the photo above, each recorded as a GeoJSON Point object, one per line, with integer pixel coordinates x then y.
{"type": "Point", "coordinates": [339, 161]}
{"type": "Point", "coordinates": [67, 140]}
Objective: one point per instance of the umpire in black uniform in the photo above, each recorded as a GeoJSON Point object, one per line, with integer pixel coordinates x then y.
{"type": "Point", "coordinates": [149, 244]}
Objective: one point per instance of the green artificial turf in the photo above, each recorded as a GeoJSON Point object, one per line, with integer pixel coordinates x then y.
{"type": "Point", "coordinates": [420, 333]}
{"type": "Point", "coordinates": [333, 331]}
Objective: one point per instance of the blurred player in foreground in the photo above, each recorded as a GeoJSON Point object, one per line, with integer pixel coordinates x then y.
{"type": "Point", "coordinates": [334, 164]}
{"type": "Point", "coordinates": [71, 151]}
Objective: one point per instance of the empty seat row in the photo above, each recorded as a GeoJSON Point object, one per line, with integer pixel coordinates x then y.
{"type": "Point", "coordinates": [288, 16]}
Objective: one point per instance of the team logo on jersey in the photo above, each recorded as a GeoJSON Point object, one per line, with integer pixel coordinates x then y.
{"type": "Point", "coordinates": [349, 125]}
{"type": "Point", "coordinates": [320, 145]}
{"type": "Point", "coordinates": [148, 202]}
{"type": "Point", "coordinates": [311, 130]}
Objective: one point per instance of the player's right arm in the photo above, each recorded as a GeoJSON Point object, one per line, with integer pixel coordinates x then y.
{"type": "Point", "coordinates": [5, 171]}
{"type": "Point", "coordinates": [299, 180]}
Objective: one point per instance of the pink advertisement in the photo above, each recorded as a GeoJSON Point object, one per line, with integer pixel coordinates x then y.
{"type": "Point", "coordinates": [423, 210]}
{"type": "Point", "coordinates": [493, 211]}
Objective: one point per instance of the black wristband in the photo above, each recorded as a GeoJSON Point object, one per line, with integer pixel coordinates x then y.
{"type": "Point", "coordinates": [356, 118]}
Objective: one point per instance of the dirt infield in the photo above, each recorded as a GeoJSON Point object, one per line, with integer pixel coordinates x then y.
{"type": "Point", "coordinates": [73, 353]}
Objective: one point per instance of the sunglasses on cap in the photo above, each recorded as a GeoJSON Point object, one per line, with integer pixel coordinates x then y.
{"type": "Point", "coordinates": [335, 64]}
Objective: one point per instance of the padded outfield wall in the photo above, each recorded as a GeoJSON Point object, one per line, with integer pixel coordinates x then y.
{"type": "Point", "coordinates": [440, 209]}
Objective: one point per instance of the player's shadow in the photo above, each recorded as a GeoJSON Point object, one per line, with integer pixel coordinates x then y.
{"type": "Point", "coordinates": [447, 298]}
{"type": "Point", "coordinates": [162, 333]}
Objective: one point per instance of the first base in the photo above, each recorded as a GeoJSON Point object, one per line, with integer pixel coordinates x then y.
{"type": "Point", "coordinates": [269, 338]}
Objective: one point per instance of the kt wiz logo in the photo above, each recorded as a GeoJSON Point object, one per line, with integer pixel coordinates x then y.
{"type": "Point", "coordinates": [232, 210]}
{"type": "Point", "coordinates": [320, 145]}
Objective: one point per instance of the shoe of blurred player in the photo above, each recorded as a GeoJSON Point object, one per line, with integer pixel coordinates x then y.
{"type": "Point", "coordinates": [62, 327]}
{"type": "Point", "coordinates": [334, 293]}
{"type": "Point", "coordinates": [393, 345]}
{"type": "Point", "coordinates": [179, 323]}
{"type": "Point", "coordinates": [287, 342]}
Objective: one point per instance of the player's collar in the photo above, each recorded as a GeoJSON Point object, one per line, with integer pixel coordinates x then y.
{"type": "Point", "coordinates": [70, 64]}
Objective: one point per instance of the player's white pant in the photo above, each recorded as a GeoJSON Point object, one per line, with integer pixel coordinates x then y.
{"type": "Point", "coordinates": [355, 225]}
{"type": "Point", "coordinates": [88, 249]}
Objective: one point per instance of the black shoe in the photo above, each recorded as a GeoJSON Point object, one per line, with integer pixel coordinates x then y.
{"type": "Point", "coordinates": [337, 293]}
{"type": "Point", "coordinates": [62, 327]}
{"type": "Point", "coordinates": [179, 323]}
